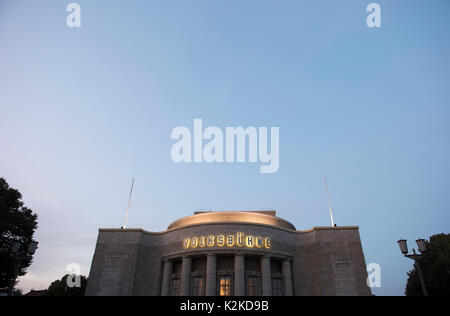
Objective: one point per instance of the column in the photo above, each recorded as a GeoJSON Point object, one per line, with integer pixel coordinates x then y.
{"type": "Point", "coordinates": [239, 275]}
{"type": "Point", "coordinates": [266, 276]}
{"type": "Point", "coordinates": [185, 276]}
{"type": "Point", "coordinates": [211, 266]}
{"type": "Point", "coordinates": [287, 276]}
{"type": "Point", "coordinates": [167, 272]}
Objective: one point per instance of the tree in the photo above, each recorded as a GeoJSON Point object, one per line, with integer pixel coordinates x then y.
{"type": "Point", "coordinates": [435, 265]}
{"type": "Point", "coordinates": [60, 288]}
{"type": "Point", "coordinates": [17, 224]}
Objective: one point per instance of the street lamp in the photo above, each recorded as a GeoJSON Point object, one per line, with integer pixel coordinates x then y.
{"type": "Point", "coordinates": [16, 247]}
{"type": "Point", "coordinates": [403, 246]}
{"type": "Point", "coordinates": [421, 244]}
{"type": "Point", "coordinates": [32, 247]}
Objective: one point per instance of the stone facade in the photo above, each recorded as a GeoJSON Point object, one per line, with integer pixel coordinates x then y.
{"type": "Point", "coordinates": [322, 261]}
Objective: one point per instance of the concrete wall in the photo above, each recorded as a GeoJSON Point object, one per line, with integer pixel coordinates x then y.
{"type": "Point", "coordinates": [325, 261]}
{"type": "Point", "coordinates": [114, 262]}
{"type": "Point", "coordinates": [330, 261]}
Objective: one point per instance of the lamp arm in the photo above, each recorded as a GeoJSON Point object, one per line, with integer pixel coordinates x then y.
{"type": "Point", "coordinates": [414, 257]}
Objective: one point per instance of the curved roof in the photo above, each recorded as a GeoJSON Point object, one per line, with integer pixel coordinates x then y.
{"type": "Point", "coordinates": [262, 217]}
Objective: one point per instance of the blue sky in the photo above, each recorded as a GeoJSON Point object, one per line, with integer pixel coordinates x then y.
{"type": "Point", "coordinates": [85, 110]}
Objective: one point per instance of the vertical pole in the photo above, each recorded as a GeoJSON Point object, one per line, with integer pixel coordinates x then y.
{"type": "Point", "coordinates": [16, 275]}
{"type": "Point", "coordinates": [239, 275]}
{"type": "Point", "coordinates": [128, 207]}
{"type": "Point", "coordinates": [165, 287]}
{"type": "Point", "coordinates": [211, 271]}
{"type": "Point", "coordinates": [329, 201]}
{"type": "Point", "coordinates": [266, 276]}
{"type": "Point", "coordinates": [287, 276]}
{"type": "Point", "coordinates": [422, 281]}
{"type": "Point", "coordinates": [185, 276]}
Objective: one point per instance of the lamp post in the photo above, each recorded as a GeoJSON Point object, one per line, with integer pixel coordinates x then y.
{"type": "Point", "coordinates": [416, 257]}
{"type": "Point", "coordinates": [16, 247]}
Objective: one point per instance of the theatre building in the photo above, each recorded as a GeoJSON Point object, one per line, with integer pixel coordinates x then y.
{"type": "Point", "coordinates": [229, 254]}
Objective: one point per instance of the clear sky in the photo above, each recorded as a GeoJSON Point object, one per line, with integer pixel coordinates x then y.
{"type": "Point", "coordinates": [82, 111]}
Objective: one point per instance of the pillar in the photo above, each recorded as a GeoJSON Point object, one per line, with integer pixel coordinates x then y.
{"type": "Point", "coordinates": [167, 272]}
{"type": "Point", "coordinates": [239, 275]}
{"type": "Point", "coordinates": [185, 276]}
{"type": "Point", "coordinates": [287, 276]}
{"type": "Point", "coordinates": [211, 266]}
{"type": "Point", "coordinates": [266, 276]}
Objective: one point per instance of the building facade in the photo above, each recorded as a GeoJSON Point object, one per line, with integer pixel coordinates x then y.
{"type": "Point", "coordinates": [229, 254]}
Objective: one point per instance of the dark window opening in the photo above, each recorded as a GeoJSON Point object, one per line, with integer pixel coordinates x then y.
{"type": "Point", "coordinates": [253, 286]}
{"type": "Point", "coordinates": [175, 286]}
{"type": "Point", "coordinates": [277, 287]}
{"type": "Point", "coordinates": [198, 286]}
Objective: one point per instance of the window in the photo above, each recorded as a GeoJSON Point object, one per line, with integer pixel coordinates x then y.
{"type": "Point", "coordinates": [225, 285]}
{"type": "Point", "coordinates": [198, 286]}
{"type": "Point", "coordinates": [253, 287]}
{"type": "Point", "coordinates": [175, 288]}
{"type": "Point", "coordinates": [277, 289]}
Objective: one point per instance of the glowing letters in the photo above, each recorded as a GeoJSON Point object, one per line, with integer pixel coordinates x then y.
{"type": "Point", "coordinates": [236, 240]}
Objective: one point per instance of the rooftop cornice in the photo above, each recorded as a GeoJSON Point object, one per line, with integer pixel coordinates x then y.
{"type": "Point", "coordinates": [314, 229]}
{"type": "Point", "coordinates": [252, 217]}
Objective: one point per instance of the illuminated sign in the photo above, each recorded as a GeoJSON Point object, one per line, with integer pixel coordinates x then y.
{"type": "Point", "coordinates": [237, 240]}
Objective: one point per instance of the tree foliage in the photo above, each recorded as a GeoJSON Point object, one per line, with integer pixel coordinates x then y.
{"type": "Point", "coordinates": [60, 288]}
{"type": "Point", "coordinates": [17, 223]}
{"type": "Point", "coordinates": [435, 266]}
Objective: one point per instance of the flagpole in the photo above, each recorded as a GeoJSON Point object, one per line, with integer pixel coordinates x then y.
{"type": "Point", "coordinates": [128, 207]}
{"type": "Point", "coordinates": [329, 201]}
